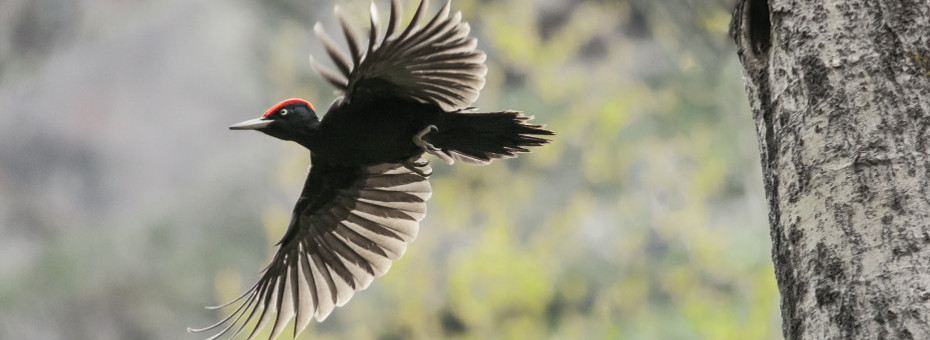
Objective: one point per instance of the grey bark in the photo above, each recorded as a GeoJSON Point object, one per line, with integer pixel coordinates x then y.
{"type": "Point", "coordinates": [840, 94]}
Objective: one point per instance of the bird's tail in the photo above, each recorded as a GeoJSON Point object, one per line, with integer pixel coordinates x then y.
{"type": "Point", "coordinates": [478, 138]}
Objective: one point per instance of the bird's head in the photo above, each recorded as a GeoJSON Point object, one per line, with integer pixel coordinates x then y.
{"type": "Point", "coordinates": [292, 119]}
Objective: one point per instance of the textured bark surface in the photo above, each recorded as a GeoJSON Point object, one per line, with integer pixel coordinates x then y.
{"type": "Point", "coordinates": [840, 93]}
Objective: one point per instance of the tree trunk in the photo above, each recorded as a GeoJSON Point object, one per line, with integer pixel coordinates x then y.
{"type": "Point", "coordinates": [840, 94]}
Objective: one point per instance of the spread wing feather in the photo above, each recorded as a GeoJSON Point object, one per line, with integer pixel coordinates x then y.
{"type": "Point", "coordinates": [347, 227]}
{"type": "Point", "coordinates": [435, 63]}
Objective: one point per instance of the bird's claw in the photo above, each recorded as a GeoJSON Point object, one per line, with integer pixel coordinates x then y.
{"type": "Point", "coordinates": [428, 147]}
{"type": "Point", "coordinates": [418, 138]}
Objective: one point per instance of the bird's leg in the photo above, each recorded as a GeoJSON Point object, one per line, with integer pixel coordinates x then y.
{"type": "Point", "coordinates": [418, 139]}
{"type": "Point", "coordinates": [426, 146]}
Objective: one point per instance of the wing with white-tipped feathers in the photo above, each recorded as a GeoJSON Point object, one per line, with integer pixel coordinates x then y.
{"type": "Point", "coordinates": [348, 225]}
{"type": "Point", "coordinates": [433, 63]}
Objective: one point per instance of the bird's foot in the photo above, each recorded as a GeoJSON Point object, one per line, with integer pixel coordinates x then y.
{"type": "Point", "coordinates": [428, 147]}
{"type": "Point", "coordinates": [418, 139]}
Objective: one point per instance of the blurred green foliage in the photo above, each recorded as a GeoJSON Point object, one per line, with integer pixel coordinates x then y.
{"type": "Point", "coordinates": [643, 219]}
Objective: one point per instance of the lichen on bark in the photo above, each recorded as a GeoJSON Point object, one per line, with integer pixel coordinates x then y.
{"type": "Point", "coordinates": [839, 91]}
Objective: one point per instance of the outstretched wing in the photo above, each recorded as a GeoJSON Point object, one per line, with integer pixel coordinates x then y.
{"type": "Point", "coordinates": [436, 63]}
{"type": "Point", "coordinates": [347, 227]}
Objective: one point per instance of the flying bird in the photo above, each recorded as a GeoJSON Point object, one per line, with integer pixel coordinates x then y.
{"type": "Point", "coordinates": [406, 94]}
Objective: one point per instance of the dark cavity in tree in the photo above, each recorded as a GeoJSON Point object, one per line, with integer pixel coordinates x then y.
{"type": "Point", "coordinates": [760, 29]}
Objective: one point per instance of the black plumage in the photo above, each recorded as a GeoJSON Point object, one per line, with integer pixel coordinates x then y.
{"type": "Point", "coordinates": [405, 94]}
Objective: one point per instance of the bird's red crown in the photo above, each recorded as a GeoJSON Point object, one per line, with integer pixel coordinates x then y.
{"type": "Point", "coordinates": [287, 102]}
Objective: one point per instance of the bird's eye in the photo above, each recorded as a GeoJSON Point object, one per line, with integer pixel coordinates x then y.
{"type": "Point", "coordinates": [283, 112]}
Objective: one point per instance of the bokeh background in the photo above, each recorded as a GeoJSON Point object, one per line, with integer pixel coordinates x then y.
{"type": "Point", "coordinates": [126, 205]}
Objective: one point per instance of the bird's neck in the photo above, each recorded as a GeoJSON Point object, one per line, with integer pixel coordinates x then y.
{"type": "Point", "coordinates": [309, 136]}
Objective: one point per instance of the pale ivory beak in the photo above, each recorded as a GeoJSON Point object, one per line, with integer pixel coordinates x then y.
{"type": "Point", "coordinates": [251, 124]}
